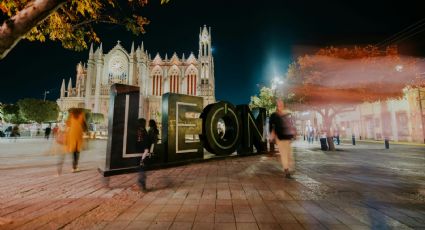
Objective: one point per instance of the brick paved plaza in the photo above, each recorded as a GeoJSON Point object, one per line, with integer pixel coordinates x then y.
{"type": "Point", "coordinates": [361, 187]}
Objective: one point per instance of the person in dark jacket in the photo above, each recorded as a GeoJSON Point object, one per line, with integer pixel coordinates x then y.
{"type": "Point", "coordinates": [146, 141]}
{"type": "Point", "coordinates": [153, 134]}
{"type": "Point", "coordinates": [47, 132]}
{"type": "Point", "coordinates": [282, 131]}
{"type": "Point", "coordinates": [142, 145]}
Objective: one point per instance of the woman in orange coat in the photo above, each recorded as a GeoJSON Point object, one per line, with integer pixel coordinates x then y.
{"type": "Point", "coordinates": [75, 128]}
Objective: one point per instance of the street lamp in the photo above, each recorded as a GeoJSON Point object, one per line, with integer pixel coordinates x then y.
{"type": "Point", "coordinates": [399, 68]}
{"type": "Point", "coordinates": [45, 93]}
{"type": "Point", "coordinates": [275, 83]}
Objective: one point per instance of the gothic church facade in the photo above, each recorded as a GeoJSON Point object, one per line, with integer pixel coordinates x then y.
{"type": "Point", "coordinates": [191, 76]}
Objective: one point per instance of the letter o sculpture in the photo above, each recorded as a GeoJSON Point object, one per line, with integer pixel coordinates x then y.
{"type": "Point", "coordinates": [211, 139]}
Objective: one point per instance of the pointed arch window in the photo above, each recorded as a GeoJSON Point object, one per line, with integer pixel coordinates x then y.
{"type": "Point", "coordinates": [191, 84]}
{"type": "Point", "coordinates": [174, 83]}
{"type": "Point", "coordinates": [157, 85]}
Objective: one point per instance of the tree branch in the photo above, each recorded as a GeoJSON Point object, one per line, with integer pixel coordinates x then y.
{"type": "Point", "coordinates": [13, 29]}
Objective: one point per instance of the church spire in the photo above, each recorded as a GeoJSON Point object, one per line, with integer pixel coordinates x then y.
{"type": "Point", "coordinates": [70, 87]}
{"type": "Point", "coordinates": [91, 50]}
{"type": "Point", "coordinates": [99, 51]}
{"type": "Point", "coordinates": [132, 48]}
{"type": "Point", "coordinates": [63, 88]}
{"type": "Point", "coordinates": [143, 47]}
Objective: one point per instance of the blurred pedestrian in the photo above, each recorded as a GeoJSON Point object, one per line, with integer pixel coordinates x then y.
{"type": "Point", "coordinates": [73, 143]}
{"type": "Point", "coordinates": [142, 145]}
{"type": "Point", "coordinates": [47, 131]}
{"type": "Point", "coordinates": [55, 131]}
{"type": "Point", "coordinates": [309, 130]}
{"type": "Point", "coordinates": [15, 132]}
{"type": "Point", "coordinates": [146, 141]}
{"type": "Point", "coordinates": [283, 131]}
{"type": "Point", "coordinates": [153, 134]}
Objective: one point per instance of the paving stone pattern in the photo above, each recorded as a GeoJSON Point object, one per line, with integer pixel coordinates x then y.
{"type": "Point", "coordinates": [361, 187]}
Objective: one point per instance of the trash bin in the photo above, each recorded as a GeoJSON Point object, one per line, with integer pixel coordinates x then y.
{"type": "Point", "coordinates": [323, 144]}
{"type": "Point", "coordinates": [387, 143]}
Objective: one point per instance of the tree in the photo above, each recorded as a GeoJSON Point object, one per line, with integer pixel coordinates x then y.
{"type": "Point", "coordinates": [266, 99]}
{"type": "Point", "coordinates": [38, 110]}
{"type": "Point", "coordinates": [334, 80]}
{"type": "Point", "coordinates": [1, 112]}
{"type": "Point", "coordinates": [11, 114]}
{"type": "Point", "coordinates": [68, 21]}
{"type": "Point", "coordinates": [96, 118]}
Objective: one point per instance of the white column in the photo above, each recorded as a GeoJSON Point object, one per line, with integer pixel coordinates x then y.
{"type": "Point", "coordinates": [131, 72]}
{"type": "Point", "coordinates": [98, 85]}
{"type": "Point", "coordinates": [142, 87]}
{"type": "Point", "coordinates": [88, 84]}
{"type": "Point", "coordinates": [165, 81]}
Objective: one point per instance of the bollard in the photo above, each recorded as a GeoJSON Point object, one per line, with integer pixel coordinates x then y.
{"type": "Point", "coordinates": [353, 139]}
{"type": "Point", "coordinates": [387, 143]}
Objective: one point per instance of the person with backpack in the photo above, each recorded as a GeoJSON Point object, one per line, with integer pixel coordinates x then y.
{"type": "Point", "coordinates": [145, 143]}
{"type": "Point", "coordinates": [283, 131]}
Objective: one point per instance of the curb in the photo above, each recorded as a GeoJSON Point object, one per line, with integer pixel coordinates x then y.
{"type": "Point", "coordinates": [382, 142]}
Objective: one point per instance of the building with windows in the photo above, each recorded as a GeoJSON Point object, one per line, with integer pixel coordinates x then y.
{"type": "Point", "coordinates": [192, 75]}
{"type": "Point", "coordinates": [396, 119]}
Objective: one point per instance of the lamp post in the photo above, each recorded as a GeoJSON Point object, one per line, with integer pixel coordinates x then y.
{"type": "Point", "coordinates": [45, 93]}
{"type": "Point", "coordinates": [275, 83]}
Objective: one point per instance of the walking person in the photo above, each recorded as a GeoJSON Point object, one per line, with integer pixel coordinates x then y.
{"type": "Point", "coordinates": [153, 134]}
{"type": "Point", "coordinates": [47, 132]}
{"type": "Point", "coordinates": [310, 132]}
{"type": "Point", "coordinates": [75, 127]}
{"type": "Point", "coordinates": [142, 145]}
{"type": "Point", "coordinates": [282, 131]}
{"type": "Point", "coordinates": [55, 131]}
{"type": "Point", "coordinates": [145, 143]}
{"type": "Point", "coordinates": [15, 132]}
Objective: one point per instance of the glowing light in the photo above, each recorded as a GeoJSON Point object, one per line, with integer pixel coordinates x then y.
{"type": "Point", "coordinates": [399, 68]}
{"type": "Point", "coordinates": [275, 82]}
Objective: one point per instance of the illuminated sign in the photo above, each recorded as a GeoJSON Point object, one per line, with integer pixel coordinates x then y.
{"type": "Point", "coordinates": [220, 128]}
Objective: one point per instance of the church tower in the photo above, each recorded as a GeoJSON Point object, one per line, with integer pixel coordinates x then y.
{"type": "Point", "coordinates": [206, 61]}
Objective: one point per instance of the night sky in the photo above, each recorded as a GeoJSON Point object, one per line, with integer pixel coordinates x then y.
{"type": "Point", "coordinates": [253, 41]}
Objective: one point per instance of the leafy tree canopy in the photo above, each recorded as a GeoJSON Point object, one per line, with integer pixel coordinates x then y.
{"type": "Point", "coordinates": [10, 113]}
{"type": "Point", "coordinates": [69, 21]}
{"type": "Point", "coordinates": [38, 110]}
{"type": "Point", "coordinates": [96, 118]}
{"type": "Point", "coordinates": [351, 76]}
{"type": "Point", "coordinates": [265, 99]}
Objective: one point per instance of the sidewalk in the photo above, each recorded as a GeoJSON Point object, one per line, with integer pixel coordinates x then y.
{"type": "Point", "coordinates": [235, 193]}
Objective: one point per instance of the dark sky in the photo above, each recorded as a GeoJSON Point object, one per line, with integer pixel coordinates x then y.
{"type": "Point", "coordinates": [253, 40]}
